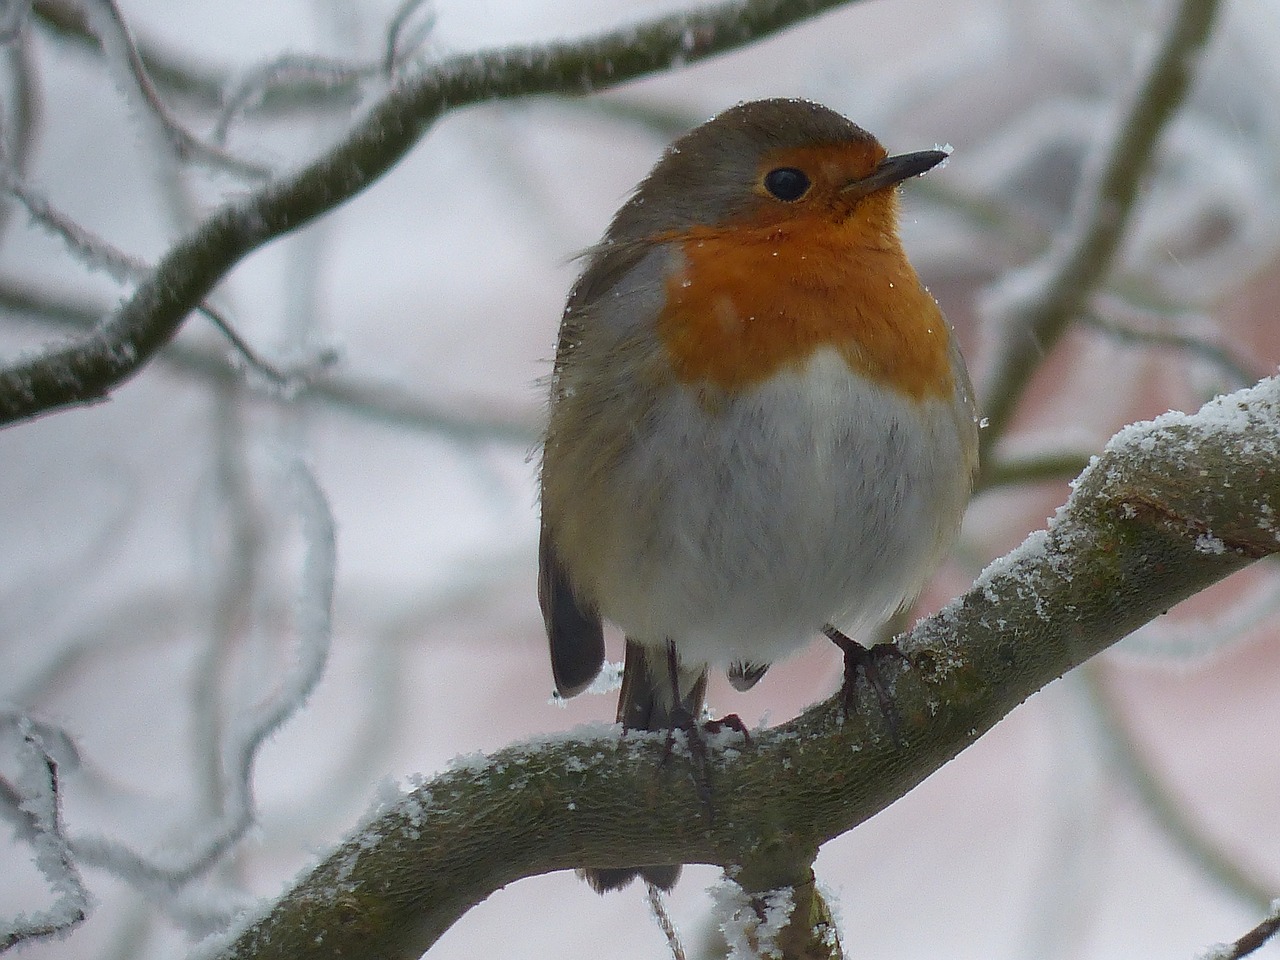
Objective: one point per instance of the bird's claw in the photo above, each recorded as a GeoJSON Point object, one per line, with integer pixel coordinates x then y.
{"type": "Point", "coordinates": [861, 660]}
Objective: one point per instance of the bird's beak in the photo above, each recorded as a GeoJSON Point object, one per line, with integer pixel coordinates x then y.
{"type": "Point", "coordinates": [893, 170]}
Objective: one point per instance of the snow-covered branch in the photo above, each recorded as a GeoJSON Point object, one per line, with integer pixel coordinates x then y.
{"type": "Point", "coordinates": [1170, 507]}
{"type": "Point", "coordinates": [38, 803]}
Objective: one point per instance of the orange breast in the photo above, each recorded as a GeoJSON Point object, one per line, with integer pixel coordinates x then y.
{"type": "Point", "coordinates": [753, 300]}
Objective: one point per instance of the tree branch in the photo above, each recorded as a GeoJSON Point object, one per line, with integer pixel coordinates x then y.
{"type": "Point", "coordinates": [1170, 507]}
{"type": "Point", "coordinates": [85, 370]}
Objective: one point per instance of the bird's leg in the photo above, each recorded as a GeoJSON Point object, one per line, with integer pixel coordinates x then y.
{"type": "Point", "coordinates": [682, 719]}
{"type": "Point", "coordinates": [859, 658]}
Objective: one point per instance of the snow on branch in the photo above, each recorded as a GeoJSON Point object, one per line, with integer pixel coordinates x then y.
{"type": "Point", "coordinates": [87, 369]}
{"type": "Point", "coordinates": [39, 803]}
{"type": "Point", "coordinates": [1170, 507]}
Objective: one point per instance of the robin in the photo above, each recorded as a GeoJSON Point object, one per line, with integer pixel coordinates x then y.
{"type": "Point", "coordinates": [760, 425]}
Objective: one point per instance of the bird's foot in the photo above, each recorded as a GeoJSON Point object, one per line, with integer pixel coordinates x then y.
{"type": "Point", "coordinates": [861, 660]}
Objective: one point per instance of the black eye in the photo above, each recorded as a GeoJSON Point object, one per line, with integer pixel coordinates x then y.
{"type": "Point", "coordinates": [787, 183]}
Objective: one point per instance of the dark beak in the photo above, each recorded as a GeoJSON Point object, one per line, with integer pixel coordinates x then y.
{"type": "Point", "coordinates": [893, 170]}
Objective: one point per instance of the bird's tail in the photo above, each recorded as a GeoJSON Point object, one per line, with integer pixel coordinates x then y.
{"type": "Point", "coordinates": [658, 693]}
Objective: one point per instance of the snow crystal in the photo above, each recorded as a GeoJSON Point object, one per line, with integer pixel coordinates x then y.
{"type": "Point", "coordinates": [1244, 411]}
{"type": "Point", "coordinates": [739, 924]}
{"type": "Point", "coordinates": [1207, 543]}
{"type": "Point", "coordinates": [608, 679]}
{"type": "Point", "coordinates": [474, 762]}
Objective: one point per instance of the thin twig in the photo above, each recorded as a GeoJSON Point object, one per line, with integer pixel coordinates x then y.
{"type": "Point", "coordinates": [313, 626]}
{"type": "Point", "coordinates": [398, 48]}
{"type": "Point", "coordinates": [255, 360]}
{"type": "Point", "coordinates": [179, 75]}
{"type": "Point", "coordinates": [231, 548]}
{"type": "Point", "coordinates": [97, 252]}
{"type": "Point", "coordinates": [41, 803]}
{"type": "Point", "coordinates": [659, 909]}
{"type": "Point", "coordinates": [287, 71]}
{"type": "Point", "coordinates": [117, 43]}
{"type": "Point", "coordinates": [85, 371]}
{"type": "Point", "coordinates": [1042, 300]}
{"type": "Point", "coordinates": [22, 124]}
{"type": "Point", "coordinates": [1251, 941]}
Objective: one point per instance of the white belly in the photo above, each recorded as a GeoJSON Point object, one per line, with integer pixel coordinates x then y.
{"type": "Point", "coordinates": [813, 499]}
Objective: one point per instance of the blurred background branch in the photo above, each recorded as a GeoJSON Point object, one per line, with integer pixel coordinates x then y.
{"type": "Point", "coordinates": [1034, 306]}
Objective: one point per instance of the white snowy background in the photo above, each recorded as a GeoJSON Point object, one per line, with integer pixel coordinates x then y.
{"type": "Point", "coordinates": [150, 546]}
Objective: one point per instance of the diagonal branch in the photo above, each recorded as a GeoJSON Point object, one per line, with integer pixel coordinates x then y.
{"type": "Point", "coordinates": [86, 369]}
{"type": "Point", "coordinates": [1169, 508]}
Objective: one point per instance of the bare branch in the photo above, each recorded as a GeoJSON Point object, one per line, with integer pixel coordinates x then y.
{"type": "Point", "coordinates": [1059, 465]}
{"type": "Point", "coordinates": [1037, 304]}
{"type": "Point", "coordinates": [1234, 368]}
{"type": "Point", "coordinates": [86, 370]}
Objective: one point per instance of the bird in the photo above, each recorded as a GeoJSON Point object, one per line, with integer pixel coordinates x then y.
{"type": "Point", "coordinates": [760, 427]}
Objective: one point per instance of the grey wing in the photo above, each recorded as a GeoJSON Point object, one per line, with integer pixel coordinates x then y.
{"type": "Point", "coordinates": [575, 634]}
{"type": "Point", "coordinates": [611, 276]}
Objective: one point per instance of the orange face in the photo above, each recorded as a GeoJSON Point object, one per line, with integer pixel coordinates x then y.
{"type": "Point", "coordinates": [790, 276]}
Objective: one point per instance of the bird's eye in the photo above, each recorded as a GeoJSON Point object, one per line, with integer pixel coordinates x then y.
{"type": "Point", "coordinates": [787, 183]}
